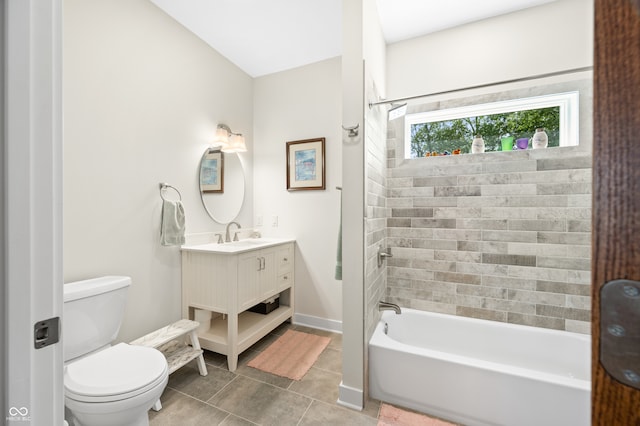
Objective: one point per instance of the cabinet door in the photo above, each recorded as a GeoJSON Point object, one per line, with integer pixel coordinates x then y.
{"type": "Point", "coordinates": [267, 275]}
{"type": "Point", "coordinates": [249, 269]}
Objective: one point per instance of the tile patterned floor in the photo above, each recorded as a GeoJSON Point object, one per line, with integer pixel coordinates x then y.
{"type": "Point", "coordinates": [252, 397]}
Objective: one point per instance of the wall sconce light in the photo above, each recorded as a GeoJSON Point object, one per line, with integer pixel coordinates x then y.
{"type": "Point", "coordinates": [229, 141]}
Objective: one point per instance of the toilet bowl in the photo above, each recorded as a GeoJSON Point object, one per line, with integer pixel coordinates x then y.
{"type": "Point", "coordinates": [106, 385]}
{"type": "Point", "coordinates": [116, 386]}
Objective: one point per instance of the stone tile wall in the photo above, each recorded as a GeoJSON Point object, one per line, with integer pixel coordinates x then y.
{"type": "Point", "coordinates": [503, 236]}
{"type": "Point", "coordinates": [376, 214]}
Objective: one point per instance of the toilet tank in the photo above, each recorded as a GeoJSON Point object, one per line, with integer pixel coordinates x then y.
{"type": "Point", "coordinates": [92, 314]}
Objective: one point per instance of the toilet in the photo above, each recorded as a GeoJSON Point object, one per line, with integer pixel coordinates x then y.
{"type": "Point", "coordinates": [106, 385]}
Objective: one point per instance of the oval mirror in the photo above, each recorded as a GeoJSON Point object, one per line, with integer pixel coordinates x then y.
{"type": "Point", "coordinates": [221, 185]}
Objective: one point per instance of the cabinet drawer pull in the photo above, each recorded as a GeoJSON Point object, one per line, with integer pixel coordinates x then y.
{"type": "Point", "coordinates": [285, 260]}
{"type": "Point", "coordinates": [259, 264]}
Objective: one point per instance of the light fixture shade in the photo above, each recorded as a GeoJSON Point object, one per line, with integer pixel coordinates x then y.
{"type": "Point", "coordinates": [222, 136]}
{"type": "Point", "coordinates": [236, 144]}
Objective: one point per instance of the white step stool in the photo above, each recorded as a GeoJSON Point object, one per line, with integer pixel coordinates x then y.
{"type": "Point", "coordinates": [177, 351]}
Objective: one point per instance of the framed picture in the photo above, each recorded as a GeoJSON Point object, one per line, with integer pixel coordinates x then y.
{"type": "Point", "coordinates": [305, 164]}
{"type": "Point", "coordinates": [212, 172]}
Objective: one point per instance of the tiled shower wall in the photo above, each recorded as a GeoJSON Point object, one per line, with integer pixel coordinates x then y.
{"type": "Point", "coordinates": [503, 236]}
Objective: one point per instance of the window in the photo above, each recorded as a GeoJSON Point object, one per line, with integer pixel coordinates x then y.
{"type": "Point", "coordinates": [453, 129]}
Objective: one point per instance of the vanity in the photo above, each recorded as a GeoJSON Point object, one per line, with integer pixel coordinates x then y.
{"type": "Point", "coordinates": [221, 282]}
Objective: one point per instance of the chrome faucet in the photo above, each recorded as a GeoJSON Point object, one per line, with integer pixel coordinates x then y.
{"type": "Point", "coordinates": [227, 237]}
{"type": "Point", "coordinates": [386, 306]}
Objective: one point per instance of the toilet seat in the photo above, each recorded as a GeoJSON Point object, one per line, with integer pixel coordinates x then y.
{"type": "Point", "coordinates": [116, 373]}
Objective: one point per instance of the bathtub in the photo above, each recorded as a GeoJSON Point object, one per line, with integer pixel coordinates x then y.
{"type": "Point", "coordinates": [478, 372]}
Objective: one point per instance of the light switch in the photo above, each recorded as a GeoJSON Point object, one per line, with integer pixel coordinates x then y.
{"type": "Point", "coordinates": [274, 221]}
{"type": "Point", "coordinates": [259, 220]}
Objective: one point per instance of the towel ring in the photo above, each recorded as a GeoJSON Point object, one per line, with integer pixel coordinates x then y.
{"type": "Point", "coordinates": [165, 186]}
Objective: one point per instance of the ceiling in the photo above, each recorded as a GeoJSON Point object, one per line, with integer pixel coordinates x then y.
{"type": "Point", "coordinates": [263, 37]}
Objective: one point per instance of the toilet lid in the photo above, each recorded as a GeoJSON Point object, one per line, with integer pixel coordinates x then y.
{"type": "Point", "coordinates": [119, 372]}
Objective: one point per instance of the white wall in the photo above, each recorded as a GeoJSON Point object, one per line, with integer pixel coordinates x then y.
{"type": "Point", "coordinates": [302, 103]}
{"type": "Point", "coordinates": [351, 389]}
{"type": "Point", "coordinates": [554, 37]}
{"type": "Point", "coordinates": [142, 97]}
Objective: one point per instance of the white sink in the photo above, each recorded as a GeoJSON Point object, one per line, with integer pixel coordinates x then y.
{"type": "Point", "coordinates": [237, 246]}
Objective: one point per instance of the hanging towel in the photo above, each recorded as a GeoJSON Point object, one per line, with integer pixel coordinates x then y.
{"type": "Point", "coordinates": [338, 274]}
{"type": "Point", "coordinates": [172, 226]}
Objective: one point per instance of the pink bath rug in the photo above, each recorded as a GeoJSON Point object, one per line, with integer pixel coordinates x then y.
{"type": "Point", "coordinates": [292, 355]}
{"type": "Point", "coordinates": [394, 416]}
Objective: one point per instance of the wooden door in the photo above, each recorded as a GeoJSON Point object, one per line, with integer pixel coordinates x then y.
{"type": "Point", "coordinates": [616, 196]}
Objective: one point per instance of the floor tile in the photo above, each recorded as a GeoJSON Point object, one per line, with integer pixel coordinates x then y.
{"type": "Point", "coordinates": [260, 402]}
{"type": "Point", "coordinates": [322, 414]}
{"type": "Point", "coordinates": [179, 409]}
{"type": "Point", "coordinates": [371, 408]}
{"type": "Point", "coordinates": [189, 381]}
{"type": "Point", "coordinates": [220, 361]}
{"type": "Point", "coordinates": [215, 359]}
{"type": "Point", "coordinates": [330, 360]}
{"type": "Point", "coordinates": [336, 341]}
{"type": "Point", "coordinates": [318, 384]}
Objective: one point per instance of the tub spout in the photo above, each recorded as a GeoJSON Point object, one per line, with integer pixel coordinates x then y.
{"type": "Point", "coordinates": [386, 306]}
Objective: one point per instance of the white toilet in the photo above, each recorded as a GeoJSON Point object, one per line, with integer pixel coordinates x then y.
{"type": "Point", "coordinates": [106, 385]}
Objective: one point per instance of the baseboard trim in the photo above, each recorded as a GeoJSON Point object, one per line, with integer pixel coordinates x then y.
{"type": "Point", "coordinates": [316, 322]}
{"type": "Point", "coordinates": [350, 397]}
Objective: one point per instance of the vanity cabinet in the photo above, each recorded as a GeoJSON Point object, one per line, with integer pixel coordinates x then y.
{"type": "Point", "coordinates": [223, 283]}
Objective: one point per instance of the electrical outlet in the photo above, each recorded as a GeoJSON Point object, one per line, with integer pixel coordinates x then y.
{"type": "Point", "coordinates": [274, 221]}
{"type": "Point", "coordinates": [259, 220]}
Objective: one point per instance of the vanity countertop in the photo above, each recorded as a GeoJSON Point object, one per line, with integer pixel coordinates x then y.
{"type": "Point", "coordinates": [236, 247]}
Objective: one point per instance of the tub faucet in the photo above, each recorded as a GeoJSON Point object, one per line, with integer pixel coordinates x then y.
{"type": "Point", "coordinates": [386, 306]}
{"type": "Point", "coordinates": [227, 237]}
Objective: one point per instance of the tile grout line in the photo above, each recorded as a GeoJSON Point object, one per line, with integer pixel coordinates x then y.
{"type": "Point", "coordinates": [189, 396]}
{"type": "Point", "coordinates": [305, 412]}
{"type": "Point", "coordinates": [222, 388]}
{"type": "Point", "coordinates": [212, 405]}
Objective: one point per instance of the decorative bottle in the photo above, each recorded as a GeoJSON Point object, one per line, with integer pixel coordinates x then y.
{"type": "Point", "coordinates": [540, 139]}
{"type": "Point", "coordinates": [477, 146]}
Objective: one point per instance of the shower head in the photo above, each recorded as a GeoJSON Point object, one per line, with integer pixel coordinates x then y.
{"type": "Point", "coordinates": [397, 111]}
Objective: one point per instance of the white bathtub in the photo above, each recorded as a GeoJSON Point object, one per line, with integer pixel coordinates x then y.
{"type": "Point", "coordinates": [479, 372]}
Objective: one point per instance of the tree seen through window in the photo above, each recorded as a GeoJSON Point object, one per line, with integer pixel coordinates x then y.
{"type": "Point", "coordinates": [450, 135]}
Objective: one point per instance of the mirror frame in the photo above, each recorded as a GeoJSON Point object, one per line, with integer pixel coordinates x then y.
{"type": "Point", "coordinates": [229, 184]}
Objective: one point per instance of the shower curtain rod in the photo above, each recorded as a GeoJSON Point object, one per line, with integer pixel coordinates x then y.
{"type": "Point", "coordinates": [481, 86]}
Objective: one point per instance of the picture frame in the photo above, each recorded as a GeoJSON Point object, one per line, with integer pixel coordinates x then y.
{"type": "Point", "coordinates": [212, 172]}
{"type": "Point", "coordinates": [306, 165]}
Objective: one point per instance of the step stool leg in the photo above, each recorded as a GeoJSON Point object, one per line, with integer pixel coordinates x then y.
{"type": "Point", "coordinates": [157, 406]}
{"type": "Point", "coordinates": [195, 343]}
